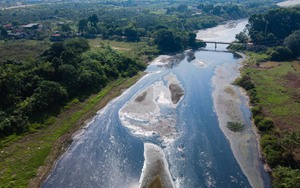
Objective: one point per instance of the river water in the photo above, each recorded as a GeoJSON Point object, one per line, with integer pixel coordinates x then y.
{"type": "Point", "coordinates": [187, 138]}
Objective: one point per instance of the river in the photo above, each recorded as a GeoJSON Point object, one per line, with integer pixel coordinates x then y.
{"type": "Point", "coordinates": [170, 127]}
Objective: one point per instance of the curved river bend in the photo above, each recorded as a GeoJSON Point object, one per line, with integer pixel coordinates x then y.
{"type": "Point", "coordinates": [170, 125]}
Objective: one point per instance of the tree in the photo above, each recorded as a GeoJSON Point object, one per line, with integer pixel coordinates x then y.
{"type": "Point", "coordinates": [166, 41]}
{"type": "Point", "coordinates": [65, 28]}
{"type": "Point", "coordinates": [132, 33]}
{"type": "Point", "coordinates": [49, 94]}
{"type": "Point", "coordinates": [94, 20]}
{"type": "Point", "coordinates": [293, 42]}
{"type": "Point", "coordinates": [280, 53]}
{"type": "Point", "coordinates": [242, 37]}
{"type": "Point", "coordinates": [67, 75]}
{"type": "Point", "coordinates": [3, 32]}
{"type": "Point", "coordinates": [192, 40]}
{"type": "Point", "coordinates": [82, 25]}
{"type": "Point", "coordinates": [77, 45]}
{"type": "Point", "coordinates": [286, 177]}
{"type": "Point", "coordinates": [182, 8]}
{"type": "Point", "coordinates": [265, 124]}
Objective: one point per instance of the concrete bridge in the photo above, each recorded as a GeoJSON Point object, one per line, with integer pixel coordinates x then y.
{"type": "Point", "coordinates": [218, 42]}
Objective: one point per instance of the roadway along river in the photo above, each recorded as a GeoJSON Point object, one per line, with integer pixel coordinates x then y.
{"type": "Point", "coordinates": [170, 128]}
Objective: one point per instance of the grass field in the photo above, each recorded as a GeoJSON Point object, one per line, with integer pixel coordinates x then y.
{"type": "Point", "coordinates": [278, 89]}
{"type": "Point", "coordinates": [140, 49]}
{"type": "Point", "coordinates": [21, 50]}
{"type": "Point", "coordinates": [20, 161]}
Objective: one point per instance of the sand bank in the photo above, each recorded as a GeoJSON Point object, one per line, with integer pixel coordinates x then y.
{"type": "Point", "coordinates": [289, 3]}
{"type": "Point", "coordinates": [227, 103]}
{"type": "Point", "coordinates": [149, 113]}
{"type": "Point", "coordinates": [156, 170]}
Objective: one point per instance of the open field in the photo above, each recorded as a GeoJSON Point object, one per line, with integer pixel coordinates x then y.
{"type": "Point", "coordinates": [21, 157]}
{"type": "Point", "coordinates": [21, 49]}
{"type": "Point", "coordinates": [122, 46]}
{"type": "Point", "coordinates": [278, 90]}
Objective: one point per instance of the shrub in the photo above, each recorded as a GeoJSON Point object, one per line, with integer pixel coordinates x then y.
{"type": "Point", "coordinates": [235, 126]}
{"type": "Point", "coordinates": [286, 177]}
{"type": "Point", "coordinates": [265, 124]}
{"type": "Point", "coordinates": [245, 82]}
{"type": "Point", "coordinates": [280, 53]}
{"type": "Point", "coordinates": [256, 111]}
{"type": "Point", "coordinates": [257, 119]}
{"type": "Point", "coordinates": [271, 149]}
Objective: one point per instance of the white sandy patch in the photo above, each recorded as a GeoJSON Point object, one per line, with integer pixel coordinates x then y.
{"type": "Point", "coordinates": [155, 165]}
{"type": "Point", "coordinates": [199, 63]}
{"type": "Point", "coordinates": [289, 3]}
{"type": "Point", "coordinates": [227, 103]}
{"type": "Point", "coordinates": [168, 62]}
{"type": "Point", "coordinates": [143, 114]}
{"type": "Point", "coordinates": [224, 33]}
{"type": "Point", "coordinates": [161, 60]}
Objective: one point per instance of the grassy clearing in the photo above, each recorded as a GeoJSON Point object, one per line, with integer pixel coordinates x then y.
{"type": "Point", "coordinates": [276, 89]}
{"type": "Point", "coordinates": [20, 161]}
{"type": "Point", "coordinates": [21, 50]}
{"type": "Point", "coordinates": [296, 66]}
{"type": "Point", "coordinates": [142, 49]}
{"type": "Point", "coordinates": [122, 46]}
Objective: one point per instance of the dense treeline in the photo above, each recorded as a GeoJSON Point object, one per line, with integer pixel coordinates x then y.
{"type": "Point", "coordinates": [30, 91]}
{"type": "Point", "coordinates": [127, 21]}
{"type": "Point", "coordinates": [275, 33]}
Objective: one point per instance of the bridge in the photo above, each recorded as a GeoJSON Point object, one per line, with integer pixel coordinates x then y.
{"type": "Point", "coordinates": [218, 42]}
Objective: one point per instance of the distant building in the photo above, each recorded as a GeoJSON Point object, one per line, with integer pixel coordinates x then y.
{"type": "Point", "coordinates": [17, 35]}
{"type": "Point", "coordinates": [8, 26]}
{"type": "Point", "coordinates": [55, 37]}
{"type": "Point", "coordinates": [31, 26]}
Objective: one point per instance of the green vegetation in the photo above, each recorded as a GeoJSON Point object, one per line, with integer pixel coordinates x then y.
{"type": "Point", "coordinates": [275, 33]}
{"type": "Point", "coordinates": [286, 177]}
{"type": "Point", "coordinates": [273, 89]}
{"type": "Point", "coordinates": [44, 84]}
{"type": "Point", "coordinates": [21, 50]}
{"type": "Point", "coordinates": [235, 126]}
{"type": "Point", "coordinates": [129, 21]}
{"type": "Point", "coordinates": [31, 91]}
{"type": "Point", "coordinates": [20, 160]}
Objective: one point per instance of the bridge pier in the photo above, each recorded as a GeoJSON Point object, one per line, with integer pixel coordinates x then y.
{"type": "Point", "coordinates": [215, 45]}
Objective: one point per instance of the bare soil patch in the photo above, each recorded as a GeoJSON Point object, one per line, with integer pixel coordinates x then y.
{"type": "Point", "coordinates": [176, 93]}
{"type": "Point", "coordinates": [269, 65]}
{"type": "Point", "coordinates": [141, 97]}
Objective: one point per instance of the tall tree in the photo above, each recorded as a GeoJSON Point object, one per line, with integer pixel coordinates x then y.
{"type": "Point", "coordinates": [82, 25]}
{"type": "Point", "coordinates": [94, 20]}
{"type": "Point", "coordinates": [293, 42]}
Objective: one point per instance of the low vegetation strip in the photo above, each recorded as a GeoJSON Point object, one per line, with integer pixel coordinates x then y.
{"type": "Point", "coordinates": [21, 160]}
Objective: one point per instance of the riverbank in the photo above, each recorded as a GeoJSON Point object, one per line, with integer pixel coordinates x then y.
{"type": "Point", "coordinates": [274, 96]}
{"type": "Point", "coordinates": [28, 161]}
{"type": "Point", "coordinates": [228, 102]}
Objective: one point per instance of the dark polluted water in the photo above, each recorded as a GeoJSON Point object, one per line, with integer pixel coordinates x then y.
{"type": "Point", "coordinates": [109, 152]}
